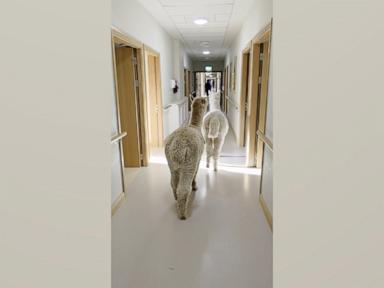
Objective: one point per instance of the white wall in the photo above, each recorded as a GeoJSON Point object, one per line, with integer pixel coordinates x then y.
{"type": "Point", "coordinates": [187, 62]}
{"type": "Point", "coordinates": [55, 123]}
{"type": "Point", "coordinates": [181, 61]}
{"type": "Point", "coordinates": [132, 18]}
{"type": "Point", "coordinates": [258, 17]}
{"type": "Point", "coordinates": [329, 139]}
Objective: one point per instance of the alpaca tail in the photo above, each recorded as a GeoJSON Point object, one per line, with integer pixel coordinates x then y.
{"type": "Point", "coordinates": [213, 128]}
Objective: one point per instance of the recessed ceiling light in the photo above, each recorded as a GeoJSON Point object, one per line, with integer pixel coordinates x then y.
{"type": "Point", "coordinates": [206, 52]}
{"type": "Point", "coordinates": [200, 21]}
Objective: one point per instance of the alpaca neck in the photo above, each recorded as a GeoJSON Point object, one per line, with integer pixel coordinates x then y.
{"type": "Point", "coordinates": [214, 106]}
{"type": "Point", "coordinates": [196, 118]}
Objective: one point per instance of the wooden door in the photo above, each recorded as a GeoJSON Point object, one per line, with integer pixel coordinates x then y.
{"type": "Point", "coordinates": [226, 89]}
{"type": "Point", "coordinates": [189, 82]}
{"type": "Point", "coordinates": [259, 75]}
{"type": "Point", "coordinates": [127, 82]}
{"type": "Point", "coordinates": [244, 100]}
{"type": "Point", "coordinates": [253, 102]}
{"type": "Point", "coordinates": [154, 103]}
{"type": "Point", "coordinates": [263, 92]}
{"type": "Point", "coordinates": [185, 82]}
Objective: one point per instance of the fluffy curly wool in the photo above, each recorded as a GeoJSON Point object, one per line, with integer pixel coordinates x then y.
{"type": "Point", "coordinates": [215, 127]}
{"type": "Point", "coordinates": [183, 150]}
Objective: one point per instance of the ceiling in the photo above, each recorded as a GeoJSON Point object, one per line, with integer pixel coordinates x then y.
{"type": "Point", "coordinates": [224, 22]}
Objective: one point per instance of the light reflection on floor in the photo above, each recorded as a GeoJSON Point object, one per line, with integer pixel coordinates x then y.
{"type": "Point", "coordinates": [223, 167]}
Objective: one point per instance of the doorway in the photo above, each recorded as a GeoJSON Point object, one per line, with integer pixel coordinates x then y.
{"type": "Point", "coordinates": [128, 69]}
{"type": "Point", "coordinates": [244, 97]}
{"type": "Point", "coordinates": [155, 103]}
{"type": "Point", "coordinates": [187, 82]}
{"type": "Point", "coordinates": [226, 89]}
{"type": "Point", "coordinates": [257, 89]}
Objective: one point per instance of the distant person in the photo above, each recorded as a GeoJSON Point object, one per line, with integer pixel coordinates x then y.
{"type": "Point", "coordinates": [208, 87]}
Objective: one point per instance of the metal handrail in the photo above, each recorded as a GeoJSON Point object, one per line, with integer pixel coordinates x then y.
{"type": "Point", "coordinates": [265, 140]}
{"type": "Point", "coordinates": [231, 101]}
{"type": "Point", "coordinates": [118, 137]}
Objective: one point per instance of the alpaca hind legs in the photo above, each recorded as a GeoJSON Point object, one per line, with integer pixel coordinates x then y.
{"type": "Point", "coordinates": [188, 203]}
{"type": "Point", "coordinates": [194, 185]}
{"type": "Point", "coordinates": [184, 190]}
{"type": "Point", "coordinates": [174, 183]}
{"type": "Point", "coordinates": [180, 206]}
{"type": "Point", "coordinates": [209, 149]}
{"type": "Point", "coordinates": [191, 196]}
{"type": "Point", "coordinates": [218, 144]}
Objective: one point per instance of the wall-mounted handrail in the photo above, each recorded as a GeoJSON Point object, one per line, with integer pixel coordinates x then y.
{"type": "Point", "coordinates": [118, 137]}
{"type": "Point", "coordinates": [265, 140]}
{"type": "Point", "coordinates": [177, 102]}
{"type": "Point", "coordinates": [232, 102]}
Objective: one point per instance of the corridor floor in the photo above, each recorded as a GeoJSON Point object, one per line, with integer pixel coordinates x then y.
{"type": "Point", "coordinates": [226, 242]}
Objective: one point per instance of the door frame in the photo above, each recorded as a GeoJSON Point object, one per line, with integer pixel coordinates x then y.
{"type": "Point", "coordinates": [148, 51]}
{"type": "Point", "coordinates": [258, 101]}
{"type": "Point", "coordinates": [266, 39]}
{"type": "Point", "coordinates": [226, 91]}
{"type": "Point", "coordinates": [118, 37]}
{"type": "Point", "coordinates": [189, 82]}
{"type": "Point", "coordinates": [244, 93]}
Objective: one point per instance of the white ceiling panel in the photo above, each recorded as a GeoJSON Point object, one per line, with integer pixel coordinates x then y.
{"type": "Point", "coordinates": [192, 2]}
{"type": "Point", "coordinates": [209, 38]}
{"type": "Point", "coordinates": [224, 21]}
{"type": "Point", "coordinates": [222, 18]}
{"type": "Point", "coordinates": [178, 19]}
{"type": "Point", "coordinates": [210, 25]}
{"type": "Point", "coordinates": [211, 43]}
{"type": "Point", "coordinates": [199, 10]}
{"type": "Point", "coordinates": [189, 30]}
{"type": "Point", "coordinates": [206, 15]}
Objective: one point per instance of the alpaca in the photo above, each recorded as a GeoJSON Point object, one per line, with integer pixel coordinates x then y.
{"type": "Point", "coordinates": [183, 150]}
{"type": "Point", "coordinates": [215, 126]}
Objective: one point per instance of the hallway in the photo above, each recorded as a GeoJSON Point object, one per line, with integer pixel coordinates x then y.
{"type": "Point", "coordinates": [225, 243]}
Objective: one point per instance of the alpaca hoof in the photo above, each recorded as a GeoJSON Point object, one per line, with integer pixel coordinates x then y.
{"type": "Point", "coordinates": [183, 218]}
{"type": "Point", "coordinates": [207, 166]}
{"type": "Point", "coordinates": [194, 188]}
{"type": "Point", "coordinates": [215, 169]}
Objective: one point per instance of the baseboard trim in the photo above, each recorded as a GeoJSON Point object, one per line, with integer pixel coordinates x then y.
{"type": "Point", "coordinates": [267, 213]}
{"type": "Point", "coordinates": [117, 203]}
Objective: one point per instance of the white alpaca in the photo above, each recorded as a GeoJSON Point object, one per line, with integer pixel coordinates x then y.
{"type": "Point", "coordinates": [215, 126]}
{"type": "Point", "coordinates": [183, 150]}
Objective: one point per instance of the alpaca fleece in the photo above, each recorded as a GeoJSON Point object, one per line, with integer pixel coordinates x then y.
{"type": "Point", "coordinates": [215, 127]}
{"type": "Point", "coordinates": [183, 150]}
